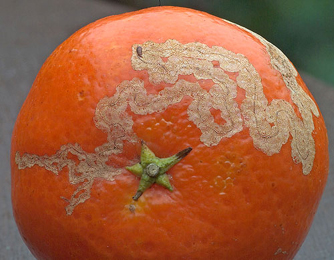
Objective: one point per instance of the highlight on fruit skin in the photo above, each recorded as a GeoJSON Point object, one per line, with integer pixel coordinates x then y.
{"type": "Point", "coordinates": [167, 133]}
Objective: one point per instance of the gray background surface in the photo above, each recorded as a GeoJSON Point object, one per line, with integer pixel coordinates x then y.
{"type": "Point", "coordinates": [29, 32]}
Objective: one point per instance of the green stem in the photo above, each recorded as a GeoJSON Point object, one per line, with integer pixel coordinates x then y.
{"type": "Point", "coordinates": [152, 169]}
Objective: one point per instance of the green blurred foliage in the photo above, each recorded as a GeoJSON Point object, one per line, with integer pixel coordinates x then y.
{"type": "Point", "coordinates": [303, 30]}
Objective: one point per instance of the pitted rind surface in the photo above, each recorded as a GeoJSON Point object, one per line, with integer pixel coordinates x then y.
{"type": "Point", "coordinates": [90, 166]}
{"type": "Point", "coordinates": [116, 121]}
{"type": "Point", "coordinates": [270, 125]}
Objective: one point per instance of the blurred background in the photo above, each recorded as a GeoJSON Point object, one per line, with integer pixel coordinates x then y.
{"type": "Point", "coordinates": [303, 30]}
{"type": "Point", "coordinates": [31, 30]}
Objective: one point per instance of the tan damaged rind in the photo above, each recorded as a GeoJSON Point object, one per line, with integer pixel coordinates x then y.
{"type": "Point", "coordinates": [90, 166]}
{"type": "Point", "coordinates": [270, 125]}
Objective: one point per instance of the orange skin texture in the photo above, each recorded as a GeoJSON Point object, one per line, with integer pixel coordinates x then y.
{"type": "Point", "coordinates": [265, 210]}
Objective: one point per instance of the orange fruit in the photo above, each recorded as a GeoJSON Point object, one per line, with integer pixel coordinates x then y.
{"type": "Point", "coordinates": [129, 89]}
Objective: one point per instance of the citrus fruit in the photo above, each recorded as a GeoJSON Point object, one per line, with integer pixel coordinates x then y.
{"type": "Point", "coordinates": [167, 133]}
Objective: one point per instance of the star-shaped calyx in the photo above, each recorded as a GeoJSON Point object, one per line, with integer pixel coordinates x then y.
{"type": "Point", "coordinates": [153, 169]}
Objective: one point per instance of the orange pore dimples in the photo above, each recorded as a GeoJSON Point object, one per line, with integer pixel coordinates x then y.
{"type": "Point", "coordinates": [172, 78]}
